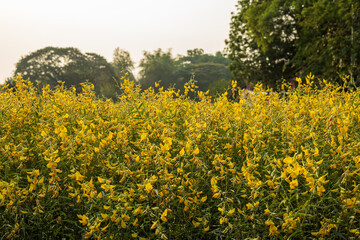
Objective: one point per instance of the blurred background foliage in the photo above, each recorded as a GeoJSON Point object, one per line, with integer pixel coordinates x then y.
{"type": "Point", "coordinates": [50, 65]}
{"type": "Point", "coordinates": [270, 41]}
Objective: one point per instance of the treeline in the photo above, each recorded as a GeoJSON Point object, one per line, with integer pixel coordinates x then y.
{"type": "Point", "coordinates": [270, 41]}
{"type": "Point", "coordinates": [52, 65]}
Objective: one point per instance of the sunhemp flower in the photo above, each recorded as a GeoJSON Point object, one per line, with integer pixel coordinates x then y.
{"type": "Point", "coordinates": [294, 183]}
{"type": "Point", "coordinates": [164, 215]}
{"type": "Point", "coordinates": [83, 219]}
{"type": "Point", "coordinates": [148, 187]}
{"type": "Point", "coordinates": [273, 230]}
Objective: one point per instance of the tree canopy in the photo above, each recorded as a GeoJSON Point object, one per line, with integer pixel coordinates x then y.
{"type": "Point", "coordinates": [123, 64]}
{"type": "Point", "coordinates": [273, 40]}
{"type": "Point", "coordinates": [158, 66]}
{"type": "Point", "coordinates": [170, 71]}
{"type": "Point", "coordinates": [49, 65]}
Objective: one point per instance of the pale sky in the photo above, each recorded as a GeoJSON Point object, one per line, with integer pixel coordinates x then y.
{"type": "Point", "coordinates": [101, 26]}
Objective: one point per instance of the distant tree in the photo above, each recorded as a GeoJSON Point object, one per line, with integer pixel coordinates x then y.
{"type": "Point", "coordinates": [199, 56]}
{"type": "Point", "coordinates": [175, 72]}
{"type": "Point", "coordinates": [122, 63]}
{"type": "Point", "coordinates": [158, 66]}
{"type": "Point", "coordinates": [102, 75]}
{"type": "Point", "coordinates": [206, 68]}
{"type": "Point", "coordinates": [206, 73]}
{"type": "Point", "coordinates": [49, 65]}
{"type": "Point", "coordinates": [218, 87]}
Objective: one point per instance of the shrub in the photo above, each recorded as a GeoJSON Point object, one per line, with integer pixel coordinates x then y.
{"type": "Point", "coordinates": [159, 165]}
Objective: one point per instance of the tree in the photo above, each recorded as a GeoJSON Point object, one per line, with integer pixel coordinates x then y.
{"type": "Point", "coordinates": [49, 65]}
{"type": "Point", "coordinates": [205, 74]}
{"type": "Point", "coordinates": [206, 68]}
{"type": "Point", "coordinates": [158, 66]}
{"type": "Point", "coordinates": [101, 74]}
{"type": "Point", "coordinates": [123, 64]}
{"type": "Point", "coordinates": [330, 39]}
{"type": "Point", "coordinates": [175, 72]}
{"type": "Point", "coordinates": [199, 56]}
{"type": "Point", "coordinates": [273, 40]}
{"type": "Point", "coordinates": [261, 42]}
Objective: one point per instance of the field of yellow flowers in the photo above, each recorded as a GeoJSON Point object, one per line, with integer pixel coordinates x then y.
{"type": "Point", "coordinates": [158, 165]}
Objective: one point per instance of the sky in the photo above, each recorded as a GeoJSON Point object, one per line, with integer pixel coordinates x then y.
{"type": "Point", "coordinates": [101, 26]}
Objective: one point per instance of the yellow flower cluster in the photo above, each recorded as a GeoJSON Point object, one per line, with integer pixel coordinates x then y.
{"type": "Point", "coordinates": [158, 165]}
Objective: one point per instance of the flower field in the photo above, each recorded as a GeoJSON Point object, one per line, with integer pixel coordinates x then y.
{"type": "Point", "coordinates": [158, 165]}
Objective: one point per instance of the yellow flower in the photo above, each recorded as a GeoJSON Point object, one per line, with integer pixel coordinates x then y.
{"type": "Point", "coordinates": [320, 189]}
{"type": "Point", "coordinates": [216, 195]}
{"type": "Point", "coordinates": [153, 226]}
{"type": "Point", "coordinates": [272, 228]}
{"type": "Point", "coordinates": [322, 179]}
{"type": "Point", "coordinates": [123, 224]}
{"type": "Point", "coordinates": [143, 136]}
{"type": "Point", "coordinates": [163, 216]}
{"type": "Point", "coordinates": [231, 212]}
{"type": "Point", "coordinates": [196, 224]}
{"type": "Point", "coordinates": [288, 160]}
{"type": "Point", "coordinates": [223, 220]}
{"type": "Point", "coordinates": [83, 219]}
{"type": "Point", "coordinates": [138, 210]}
{"type": "Point", "coordinates": [350, 201]}
{"type": "Point", "coordinates": [196, 152]}
{"type": "Point", "coordinates": [78, 176]}
{"type": "Point", "coordinates": [294, 183]}
{"type": "Point", "coordinates": [233, 84]}
{"type": "Point", "coordinates": [125, 217]}
{"type": "Point", "coordinates": [135, 223]}
{"type": "Point", "coordinates": [134, 235]}
{"type": "Point", "coordinates": [206, 229]}
{"type": "Point", "coordinates": [182, 152]}
{"type": "Point", "coordinates": [104, 228]}
{"type": "Point", "coordinates": [203, 199]}
{"type": "Point", "coordinates": [148, 187]}
{"type": "Point", "coordinates": [249, 206]}
{"type": "Point", "coordinates": [100, 195]}
{"type": "Point", "coordinates": [270, 183]}
{"type": "Point", "coordinates": [316, 152]}
{"type": "Point", "coordinates": [222, 210]}
{"type": "Point", "coordinates": [355, 231]}
{"type": "Point", "coordinates": [101, 180]}
{"type": "Point", "coordinates": [41, 181]}
{"type": "Point", "coordinates": [188, 147]}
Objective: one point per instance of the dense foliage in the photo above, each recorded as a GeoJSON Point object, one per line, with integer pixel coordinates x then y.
{"type": "Point", "coordinates": [273, 40]}
{"type": "Point", "coordinates": [207, 70]}
{"type": "Point", "coordinates": [49, 65]}
{"type": "Point", "coordinates": [123, 64]}
{"type": "Point", "coordinates": [162, 166]}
